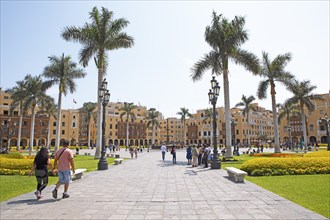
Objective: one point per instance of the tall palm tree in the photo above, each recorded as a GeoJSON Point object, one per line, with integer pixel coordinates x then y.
{"type": "Point", "coordinates": [35, 95]}
{"type": "Point", "coordinates": [18, 94]}
{"type": "Point", "coordinates": [88, 108]}
{"type": "Point", "coordinates": [184, 113]}
{"type": "Point", "coordinates": [273, 71]}
{"type": "Point", "coordinates": [103, 34]}
{"type": "Point", "coordinates": [286, 110]}
{"type": "Point", "coordinates": [247, 104]}
{"type": "Point", "coordinates": [303, 97]}
{"type": "Point", "coordinates": [225, 37]}
{"type": "Point", "coordinates": [127, 110]}
{"type": "Point", "coordinates": [208, 117]}
{"type": "Point", "coordinates": [152, 118]}
{"type": "Point", "coordinates": [47, 106]}
{"type": "Point", "coordinates": [62, 71]}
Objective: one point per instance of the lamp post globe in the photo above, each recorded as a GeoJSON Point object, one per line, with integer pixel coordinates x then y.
{"type": "Point", "coordinates": [104, 96]}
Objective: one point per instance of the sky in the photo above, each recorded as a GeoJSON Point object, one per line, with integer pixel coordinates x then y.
{"type": "Point", "coordinates": [169, 39]}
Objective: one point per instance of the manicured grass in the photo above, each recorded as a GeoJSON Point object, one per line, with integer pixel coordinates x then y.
{"type": "Point", "coordinates": [309, 191]}
{"type": "Point", "coordinates": [11, 185]}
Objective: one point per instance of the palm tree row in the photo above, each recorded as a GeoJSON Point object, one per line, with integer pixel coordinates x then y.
{"type": "Point", "coordinates": [225, 38]}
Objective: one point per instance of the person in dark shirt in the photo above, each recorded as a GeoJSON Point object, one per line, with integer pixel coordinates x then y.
{"type": "Point", "coordinates": [40, 168]}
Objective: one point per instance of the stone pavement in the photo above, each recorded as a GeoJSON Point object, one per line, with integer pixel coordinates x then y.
{"type": "Point", "coordinates": [148, 188]}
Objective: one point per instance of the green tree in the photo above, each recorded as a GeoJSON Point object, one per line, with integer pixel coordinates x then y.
{"type": "Point", "coordinates": [225, 38]}
{"type": "Point", "coordinates": [247, 104]}
{"type": "Point", "coordinates": [88, 109]}
{"type": "Point", "coordinates": [152, 118]}
{"type": "Point", "coordinates": [103, 34]}
{"type": "Point", "coordinates": [208, 117]}
{"type": "Point", "coordinates": [303, 97]}
{"type": "Point", "coordinates": [184, 113]}
{"type": "Point", "coordinates": [18, 95]}
{"type": "Point", "coordinates": [35, 95]}
{"type": "Point", "coordinates": [127, 110]}
{"type": "Point", "coordinates": [273, 71]}
{"type": "Point", "coordinates": [62, 71]}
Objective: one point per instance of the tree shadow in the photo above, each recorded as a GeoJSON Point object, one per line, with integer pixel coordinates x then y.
{"type": "Point", "coordinates": [32, 201]}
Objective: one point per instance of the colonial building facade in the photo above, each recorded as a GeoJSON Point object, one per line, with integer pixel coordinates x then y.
{"type": "Point", "coordinates": [199, 129]}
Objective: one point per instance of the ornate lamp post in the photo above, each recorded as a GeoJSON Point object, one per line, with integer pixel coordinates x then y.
{"type": "Point", "coordinates": [213, 97]}
{"type": "Point", "coordinates": [326, 121]}
{"type": "Point", "coordinates": [104, 96]}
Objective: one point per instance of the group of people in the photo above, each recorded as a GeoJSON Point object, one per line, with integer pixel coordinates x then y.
{"type": "Point", "coordinates": [196, 155]}
{"type": "Point", "coordinates": [134, 151]}
{"type": "Point", "coordinates": [63, 164]}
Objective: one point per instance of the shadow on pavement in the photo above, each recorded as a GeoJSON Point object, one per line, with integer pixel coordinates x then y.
{"type": "Point", "coordinates": [31, 201]}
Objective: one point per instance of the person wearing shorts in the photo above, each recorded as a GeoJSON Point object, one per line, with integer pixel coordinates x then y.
{"type": "Point", "coordinates": [64, 160]}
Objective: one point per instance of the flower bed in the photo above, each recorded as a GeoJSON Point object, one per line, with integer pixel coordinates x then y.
{"type": "Point", "coordinates": [287, 166]}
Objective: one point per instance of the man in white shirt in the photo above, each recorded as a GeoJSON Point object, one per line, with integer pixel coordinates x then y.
{"type": "Point", "coordinates": [163, 149]}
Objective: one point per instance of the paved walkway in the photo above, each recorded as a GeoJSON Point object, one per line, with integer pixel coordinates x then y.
{"type": "Point", "coordinates": [148, 188]}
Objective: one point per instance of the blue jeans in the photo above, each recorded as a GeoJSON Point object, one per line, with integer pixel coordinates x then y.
{"type": "Point", "coordinates": [163, 155]}
{"type": "Point", "coordinates": [64, 176]}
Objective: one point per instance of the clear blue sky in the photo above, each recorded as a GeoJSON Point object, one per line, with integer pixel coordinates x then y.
{"type": "Point", "coordinates": [169, 39]}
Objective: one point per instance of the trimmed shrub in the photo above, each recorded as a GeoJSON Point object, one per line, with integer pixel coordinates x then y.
{"type": "Point", "coordinates": [286, 166]}
{"type": "Point", "coordinates": [10, 166]}
{"type": "Point", "coordinates": [12, 156]}
{"type": "Point", "coordinates": [275, 155]}
{"type": "Point", "coordinates": [318, 154]}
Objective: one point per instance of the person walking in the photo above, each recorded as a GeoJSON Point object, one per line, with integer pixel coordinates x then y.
{"type": "Point", "coordinates": [200, 154]}
{"type": "Point", "coordinates": [131, 151]}
{"type": "Point", "coordinates": [40, 168]}
{"type": "Point", "coordinates": [64, 160]}
{"type": "Point", "coordinates": [173, 152]}
{"type": "Point", "coordinates": [195, 154]}
{"type": "Point", "coordinates": [206, 155]}
{"type": "Point", "coordinates": [163, 150]}
{"type": "Point", "coordinates": [188, 155]}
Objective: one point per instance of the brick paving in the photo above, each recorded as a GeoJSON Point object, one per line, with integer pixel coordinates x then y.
{"type": "Point", "coordinates": [148, 188]}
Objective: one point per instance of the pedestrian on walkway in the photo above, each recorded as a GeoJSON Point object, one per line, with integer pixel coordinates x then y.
{"type": "Point", "coordinates": [64, 159]}
{"type": "Point", "coordinates": [200, 154]}
{"type": "Point", "coordinates": [40, 168]}
{"type": "Point", "coordinates": [173, 152]}
{"type": "Point", "coordinates": [194, 156]}
{"type": "Point", "coordinates": [163, 150]}
{"type": "Point", "coordinates": [136, 152]}
{"type": "Point", "coordinates": [188, 155]}
{"type": "Point", "coordinates": [206, 155]}
{"type": "Point", "coordinates": [131, 151]}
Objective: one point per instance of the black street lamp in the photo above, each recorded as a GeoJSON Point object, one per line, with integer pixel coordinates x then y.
{"type": "Point", "coordinates": [104, 96]}
{"type": "Point", "coordinates": [213, 97]}
{"type": "Point", "coordinates": [326, 121]}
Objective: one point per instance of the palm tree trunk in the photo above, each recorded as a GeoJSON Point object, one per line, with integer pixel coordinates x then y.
{"type": "Point", "coordinates": [88, 133]}
{"type": "Point", "coordinates": [32, 129]}
{"type": "Point", "coordinates": [20, 127]}
{"type": "Point", "coordinates": [153, 134]}
{"type": "Point", "coordinates": [127, 130]}
{"type": "Point", "coordinates": [48, 134]}
{"type": "Point", "coordinates": [99, 107]}
{"type": "Point", "coordinates": [303, 120]}
{"type": "Point", "coordinates": [58, 123]}
{"type": "Point", "coordinates": [276, 134]}
{"type": "Point", "coordinates": [229, 152]}
{"type": "Point", "coordinates": [184, 132]}
{"type": "Point", "coordinates": [248, 130]}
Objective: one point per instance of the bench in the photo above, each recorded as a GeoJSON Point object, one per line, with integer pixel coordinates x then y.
{"type": "Point", "coordinates": [236, 174]}
{"type": "Point", "coordinates": [78, 174]}
{"type": "Point", "coordinates": [87, 154]}
{"type": "Point", "coordinates": [118, 161]}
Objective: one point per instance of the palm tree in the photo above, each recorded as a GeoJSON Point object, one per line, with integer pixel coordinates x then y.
{"type": "Point", "coordinates": [127, 110]}
{"type": "Point", "coordinates": [225, 37]}
{"type": "Point", "coordinates": [208, 116]}
{"type": "Point", "coordinates": [47, 106]}
{"type": "Point", "coordinates": [88, 108]}
{"type": "Point", "coordinates": [62, 71]}
{"type": "Point", "coordinates": [152, 118]}
{"type": "Point", "coordinates": [18, 94]}
{"type": "Point", "coordinates": [184, 113]}
{"type": "Point", "coordinates": [103, 34]}
{"type": "Point", "coordinates": [273, 71]}
{"type": "Point", "coordinates": [302, 96]}
{"type": "Point", "coordinates": [247, 104]}
{"type": "Point", "coordinates": [35, 95]}
{"type": "Point", "coordinates": [286, 110]}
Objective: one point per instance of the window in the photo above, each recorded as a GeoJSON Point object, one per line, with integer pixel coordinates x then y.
{"type": "Point", "coordinates": [5, 112]}
{"type": "Point", "coordinates": [16, 113]}
{"type": "Point", "coordinates": [73, 124]}
{"type": "Point", "coordinates": [54, 131]}
{"type": "Point", "coordinates": [54, 123]}
{"type": "Point", "coordinates": [110, 126]}
{"type": "Point", "coordinates": [74, 116]}
{"type": "Point", "coordinates": [63, 116]}
{"type": "Point", "coordinates": [63, 131]}
{"type": "Point", "coordinates": [311, 127]}
{"type": "Point", "coordinates": [5, 97]}
{"type": "Point", "coordinates": [63, 124]}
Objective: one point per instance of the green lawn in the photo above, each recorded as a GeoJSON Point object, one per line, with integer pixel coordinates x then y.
{"type": "Point", "coordinates": [11, 185]}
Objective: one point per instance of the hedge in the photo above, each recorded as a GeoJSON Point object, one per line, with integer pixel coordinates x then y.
{"type": "Point", "coordinates": [318, 154]}
{"type": "Point", "coordinates": [12, 156]}
{"type": "Point", "coordinates": [287, 166]}
{"type": "Point", "coordinates": [10, 166]}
